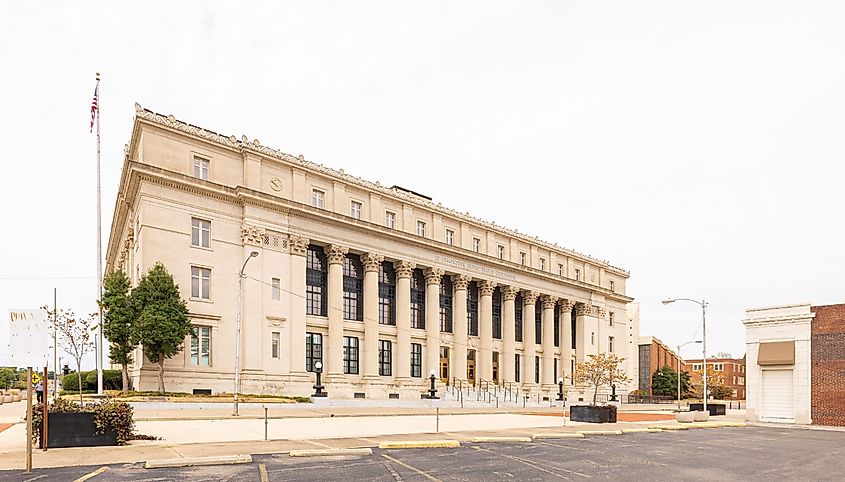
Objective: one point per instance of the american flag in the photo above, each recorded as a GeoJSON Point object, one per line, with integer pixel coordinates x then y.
{"type": "Point", "coordinates": [94, 107]}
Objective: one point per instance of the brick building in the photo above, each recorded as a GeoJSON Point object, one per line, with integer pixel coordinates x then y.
{"type": "Point", "coordinates": [827, 365]}
{"type": "Point", "coordinates": [730, 372]}
{"type": "Point", "coordinates": [654, 355]}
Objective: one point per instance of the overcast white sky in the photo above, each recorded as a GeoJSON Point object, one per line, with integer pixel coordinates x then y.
{"type": "Point", "coordinates": [697, 144]}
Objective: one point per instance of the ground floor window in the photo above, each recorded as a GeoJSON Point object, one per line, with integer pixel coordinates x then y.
{"type": "Point", "coordinates": [350, 355]}
{"type": "Point", "coordinates": [313, 350]}
{"type": "Point", "coordinates": [416, 360]}
{"type": "Point", "coordinates": [201, 346]}
{"type": "Point", "coordinates": [384, 358]}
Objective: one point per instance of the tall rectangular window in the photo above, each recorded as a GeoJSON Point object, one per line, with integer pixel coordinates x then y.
{"type": "Point", "coordinates": [497, 313]}
{"type": "Point", "coordinates": [418, 299]}
{"type": "Point", "coordinates": [536, 369]}
{"type": "Point", "coordinates": [555, 369]}
{"type": "Point", "coordinates": [450, 237]}
{"type": "Point", "coordinates": [610, 344]}
{"type": "Point", "coordinates": [517, 317]}
{"type": "Point", "coordinates": [500, 251]}
{"type": "Point", "coordinates": [350, 355]}
{"type": "Point", "coordinates": [445, 305]}
{"type": "Point", "coordinates": [200, 283]}
{"type": "Point", "coordinates": [516, 365]}
{"type": "Point", "coordinates": [538, 322]}
{"type": "Point", "coordinates": [313, 350]}
{"type": "Point", "coordinates": [416, 360]}
{"type": "Point", "coordinates": [386, 294]}
{"type": "Point", "coordinates": [522, 258]}
{"type": "Point", "coordinates": [557, 329]}
{"type": "Point", "coordinates": [201, 346]}
{"type": "Point", "coordinates": [610, 318]}
{"type": "Point", "coordinates": [275, 344]}
{"type": "Point", "coordinates": [573, 324]}
{"type": "Point", "coordinates": [612, 288]}
{"type": "Point", "coordinates": [472, 309]}
{"type": "Point", "coordinates": [353, 288]}
{"type": "Point", "coordinates": [200, 233]}
{"type": "Point", "coordinates": [390, 219]}
{"type": "Point", "coordinates": [542, 264]}
{"type": "Point", "coordinates": [316, 266]}
{"type": "Point", "coordinates": [201, 168]}
{"type": "Point", "coordinates": [276, 288]}
{"type": "Point", "coordinates": [577, 274]}
{"type": "Point", "coordinates": [355, 209]}
{"type": "Point", "coordinates": [476, 244]}
{"type": "Point", "coordinates": [385, 359]}
{"type": "Point", "coordinates": [560, 270]}
{"type": "Point", "coordinates": [421, 228]}
{"type": "Point", "coordinates": [318, 198]}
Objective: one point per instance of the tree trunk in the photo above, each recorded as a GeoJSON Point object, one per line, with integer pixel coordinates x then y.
{"type": "Point", "coordinates": [161, 376]}
{"type": "Point", "coordinates": [595, 395]}
{"type": "Point", "coordinates": [125, 380]}
{"type": "Point", "coordinates": [79, 377]}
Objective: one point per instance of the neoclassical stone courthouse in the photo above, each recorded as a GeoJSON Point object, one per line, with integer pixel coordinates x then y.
{"type": "Point", "coordinates": [379, 284]}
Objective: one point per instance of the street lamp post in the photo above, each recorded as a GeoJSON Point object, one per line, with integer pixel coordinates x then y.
{"type": "Point", "coordinates": [432, 392]}
{"type": "Point", "coordinates": [238, 334]}
{"type": "Point", "coordinates": [318, 387]}
{"type": "Point", "coordinates": [560, 389]}
{"type": "Point", "coordinates": [703, 305]}
{"type": "Point", "coordinates": [679, 369]}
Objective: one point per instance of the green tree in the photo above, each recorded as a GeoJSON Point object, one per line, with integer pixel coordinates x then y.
{"type": "Point", "coordinates": [600, 370]}
{"type": "Point", "coordinates": [162, 321]}
{"type": "Point", "coordinates": [118, 321]}
{"type": "Point", "coordinates": [8, 375]}
{"type": "Point", "coordinates": [664, 381]}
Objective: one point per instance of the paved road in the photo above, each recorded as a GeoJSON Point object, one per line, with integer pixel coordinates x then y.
{"type": "Point", "coordinates": [756, 453]}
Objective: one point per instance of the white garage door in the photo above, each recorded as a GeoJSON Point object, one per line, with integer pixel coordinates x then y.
{"type": "Point", "coordinates": [777, 396]}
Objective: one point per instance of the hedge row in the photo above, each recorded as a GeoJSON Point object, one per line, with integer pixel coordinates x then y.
{"type": "Point", "coordinates": [112, 380]}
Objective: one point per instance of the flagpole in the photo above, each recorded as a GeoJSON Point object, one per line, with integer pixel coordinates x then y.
{"type": "Point", "coordinates": [99, 254]}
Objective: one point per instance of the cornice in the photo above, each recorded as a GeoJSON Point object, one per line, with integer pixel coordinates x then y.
{"type": "Point", "coordinates": [254, 146]}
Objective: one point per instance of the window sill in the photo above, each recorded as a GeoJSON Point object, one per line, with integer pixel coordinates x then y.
{"type": "Point", "coordinates": [202, 248]}
{"type": "Point", "coordinates": [200, 300]}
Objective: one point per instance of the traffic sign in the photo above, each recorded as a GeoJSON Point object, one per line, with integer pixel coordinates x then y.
{"type": "Point", "coordinates": [29, 338]}
{"type": "Point", "coordinates": [35, 378]}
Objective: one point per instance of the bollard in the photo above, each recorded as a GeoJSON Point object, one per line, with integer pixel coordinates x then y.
{"type": "Point", "coordinates": [437, 423]}
{"type": "Point", "coordinates": [265, 423]}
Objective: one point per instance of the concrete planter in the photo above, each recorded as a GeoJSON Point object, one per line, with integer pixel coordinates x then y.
{"type": "Point", "coordinates": [713, 408]}
{"type": "Point", "coordinates": [592, 414]}
{"type": "Point", "coordinates": [8, 398]}
{"type": "Point", "coordinates": [701, 416]}
{"type": "Point", "coordinates": [75, 430]}
{"type": "Point", "coordinates": [16, 395]}
{"type": "Point", "coordinates": [685, 417]}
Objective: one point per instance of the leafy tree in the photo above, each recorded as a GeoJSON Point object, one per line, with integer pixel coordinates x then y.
{"type": "Point", "coordinates": [8, 375]}
{"type": "Point", "coordinates": [715, 386]}
{"type": "Point", "coordinates": [162, 318]}
{"type": "Point", "coordinates": [118, 321]}
{"type": "Point", "coordinates": [601, 370]}
{"type": "Point", "coordinates": [76, 336]}
{"type": "Point", "coordinates": [664, 381]}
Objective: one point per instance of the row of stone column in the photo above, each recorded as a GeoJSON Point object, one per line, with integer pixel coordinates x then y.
{"type": "Point", "coordinates": [333, 355]}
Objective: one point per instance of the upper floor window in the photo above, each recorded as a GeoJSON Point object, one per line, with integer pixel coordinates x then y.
{"type": "Point", "coordinates": [201, 346]}
{"type": "Point", "coordinates": [316, 266]}
{"type": "Point", "coordinates": [445, 305]}
{"type": "Point", "coordinates": [418, 299]}
{"type": "Point", "coordinates": [472, 309]}
{"type": "Point", "coordinates": [353, 288]}
{"type": "Point", "coordinates": [542, 264]}
{"type": "Point", "coordinates": [577, 274]}
{"type": "Point", "coordinates": [421, 228]}
{"type": "Point", "coordinates": [355, 209]}
{"type": "Point", "coordinates": [612, 287]}
{"type": "Point", "coordinates": [500, 251]}
{"type": "Point", "coordinates": [275, 344]}
{"type": "Point", "coordinates": [390, 219]}
{"type": "Point", "coordinates": [557, 327]}
{"type": "Point", "coordinates": [560, 270]}
{"type": "Point", "coordinates": [476, 244]}
{"type": "Point", "coordinates": [387, 294]}
{"type": "Point", "coordinates": [497, 313]}
{"type": "Point", "coordinates": [200, 283]}
{"type": "Point", "coordinates": [517, 317]}
{"type": "Point", "coordinates": [538, 322]}
{"type": "Point", "coordinates": [610, 344]}
{"type": "Point", "coordinates": [276, 288]}
{"type": "Point", "coordinates": [201, 168]}
{"type": "Point", "coordinates": [450, 237]}
{"type": "Point", "coordinates": [610, 318]}
{"type": "Point", "coordinates": [718, 367]}
{"type": "Point", "coordinates": [522, 258]}
{"type": "Point", "coordinates": [318, 199]}
{"type": "Point", "coordinates": [200, 233]}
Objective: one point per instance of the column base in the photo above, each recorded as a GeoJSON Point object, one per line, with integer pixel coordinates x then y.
{"type": "Point", "coordinates": [405, 381]}
{"type": "Point", "coordinates": [371, 379]}
{"type": "Point", "coordinates": [335, 378]}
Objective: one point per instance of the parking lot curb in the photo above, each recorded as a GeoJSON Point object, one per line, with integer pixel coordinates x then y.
{"type": "Point", "coordinates": [641, 430]}
{"type": "Point", "coordinates": [198, 461]}
{"type": "Point", "coordinates": [330, 452]}
{"type": "Point", "coordinates": [672, 427]}
{"type": "Point", "coordinates": [420, 444]}
{"type": "Point", "coordinates": [501, 439]}
{"type": "Point", "coordinates": [601, 432]}
{"type": "Point", "coordinates": [557, 435]}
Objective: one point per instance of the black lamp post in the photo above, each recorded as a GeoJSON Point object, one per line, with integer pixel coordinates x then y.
{"type": "Point", "coordinates": [432, 392]}
{"type": "Point", "coordinates": [613, 396]}
{"type": "Point", "coordinates": [318, 368]}
{"type": "Point", "coordinates": [560, 389]}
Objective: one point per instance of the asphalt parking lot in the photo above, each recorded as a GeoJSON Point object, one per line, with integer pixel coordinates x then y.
{"type": "Point", "coordinates": [751, 453]}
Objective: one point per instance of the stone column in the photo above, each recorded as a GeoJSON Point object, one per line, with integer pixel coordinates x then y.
{"type": "Point", "coordinates": [431, 352]}
{"type": "Point", "coordinates": [459, 326]}
{"type": "Point", "coordinates": [403, 321]}
{"type": "Point", "coordinates": [334, 345]}
{"type": "Point", "coordinates": [371, 262]}
{"type": "Point", "coordinates": [529, 300]}
{"type": "Point", "coordinates": [548, 363]}
{"type": "Point", "coordinates": [506, 361]}
{"type": "Point", "coordinates": [484, 362]}
{"type": "Point", "coordinates": [585, 328]}
{"type": "Point", "coordinates": [298, 247]}
{"type": "Point", "coordinates": [566, 338]}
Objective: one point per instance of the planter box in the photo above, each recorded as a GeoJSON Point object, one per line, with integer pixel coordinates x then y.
{"type": "Point", "coordinates": [685, 417]}
{"type": "Point", "coordinates": [75, 430]}
{"type": "Point", "coordinates": [701, 416]}
{"type": "Point", "coordinates": [713, 408]}
{"type": "Point", "coordinates": [592, 414]}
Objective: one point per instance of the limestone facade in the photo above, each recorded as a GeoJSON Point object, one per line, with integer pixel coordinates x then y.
{"type": "Point", "coordinates": [382, 285]}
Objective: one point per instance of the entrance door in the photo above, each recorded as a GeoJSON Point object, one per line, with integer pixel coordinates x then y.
{"type": "Point", "coordinates": [496, 367]}
{"type": "Point", "coordinates": [777, 396]}
{"type": "Point", "coordinates": [471, 367]}
{"type": "Point", "coordinates": [444, 364]}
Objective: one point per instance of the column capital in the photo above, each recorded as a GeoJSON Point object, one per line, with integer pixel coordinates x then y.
{"type": "Point", "coordinates": [433, 275]}
{"type": "Point", "coordinates": [461, 281]}
{"type": "Point", "coordinates": [372, 261]}
{"type": "Point", "coordinates": [509, 293]}
{"type": "Point", "coordinates": [336, 253]}
{"type": "Point", "coordinates": [298, 245]}
{"type": "Point", "coordinates": [529, 297]}
{"type": "Point", "coordinates": [566, 305]}
{"type": "Point", "coordinates": [487, 287]}
{"type": "Point", "coordinates": [601, 311]}
{"type": "Point", "coordinates": [404, 268]}
{"type": "Point", "coordinates": [252, 234]}
{"type": "Point", "coordinates": [549, 302]}
{"type": "Point", "coordinates": [582, 309]}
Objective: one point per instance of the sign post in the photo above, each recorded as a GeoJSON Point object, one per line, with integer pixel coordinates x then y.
{"type": "Point", "coordinates": [44, 406]}
{"type": "Point", "coordinates": [28, 420]}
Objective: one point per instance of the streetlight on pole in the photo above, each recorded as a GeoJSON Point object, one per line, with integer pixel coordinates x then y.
{"type": "Point", "coordinates": [703, 305]}
{"type": "Point", "coordinates": [679, 369]}
{"type": "Point", "coordinates": [238, 333]}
